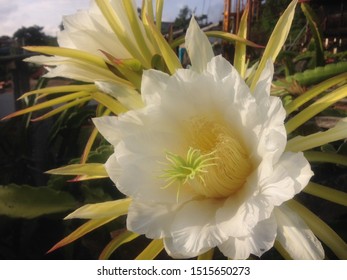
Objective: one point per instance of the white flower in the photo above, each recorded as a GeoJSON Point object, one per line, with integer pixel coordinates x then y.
{"type": "Point", "coordinates": [89, 32]}
{"type": "Point", "coordinates": [204, 160]}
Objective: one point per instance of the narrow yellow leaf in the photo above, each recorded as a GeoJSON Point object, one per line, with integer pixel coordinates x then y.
{"type": "Point", "coordinates": [229, 37]}
{"type": "Point", "coordinates": [207, 256]}
{"type": "Point", "coordinates": [116, 242]}
{"type": "Point", "coordinates": [325, 233]}
{"type": "Point", "coordinates": [81, 231]}
{"type": "Point", "coordinates": [170, 58]}
{"type": "Point", "coordinates": [315, 108]}
{"type": "Point", "coordinates": [326, 193]}
{"type": "Point", "coordinates": [315, 156]}
{"type": "Point", "coordinates": [303, 143]}
{"type": "Point", "coordinates": [240, 48]}
{"type": "Point", "coordinates": [276, 41]}
{"type": "Point", "coordinates": [152, 250]}
{"type": "Point", "coordinates": [315, 91]}
{"type": "Point", "coordinates": [159, 13]}
{"type": "Point", "coordinates": [60, 89]}
{"type": "Point", "coordinates": [49, 103]}
{"type": "Point", "coordinates": [137, 31]}
{"type": "Point", "coordinates": [113, 208]}
{"type": "Point", "coordinates": [62, 108]}
{"type": "Point", "coordinates": [92, 170]}
{"type": "Point", "coordinates": [114, 105]}
{"type": "Point", "coordinates": [117, 27]}
{"type": "Point", "coordinates": [71, 53]}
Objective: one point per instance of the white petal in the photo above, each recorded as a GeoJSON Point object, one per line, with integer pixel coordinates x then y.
{"type": "Point", "coordinates": [295, 236]}
{"type": "Point", "coordinates": [153, 220]}
{"type": "Point", "coordinates": [220, 68]}
{"type": "Point", "coordinates": [236, 248]}
{"type": "Point", "coordinates": [290, 175]}
{"type": "Point", "coordinates": [148, 165]}
{"type": "Point", "coordinates": [260, 240]}
{"type": "Point", "coordinates": [153, 85]}
{"type": "Point", "coordinates": [113, 169]}
{"type": "Point", "coordinates": [272, 136]}
{"type": "Point", "coordinates": [237, 218]}
{"type": "Point", "coordinates": [198, 47]}
{"type": "Point", "coordinates": [262, 89]}
{"type": "Point", "coordinates": [107, 126]}
{"type": "Point", "coordinates": [263, 236]}
{"type": "Point", "coordinates": [130, 98]}
{"type": "Point", "coordinates": [194, 231]}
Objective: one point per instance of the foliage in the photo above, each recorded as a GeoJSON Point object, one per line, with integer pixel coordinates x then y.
{"type": "Point", "coordinates": [182, 20]}
{"type": "Point", "coordinates": [33, 36]}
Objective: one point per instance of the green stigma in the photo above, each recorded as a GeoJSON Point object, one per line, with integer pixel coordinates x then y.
{"type": "Point", "coordinates": [193, 166]}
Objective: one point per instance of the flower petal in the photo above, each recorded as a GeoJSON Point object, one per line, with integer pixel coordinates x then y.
{"type": "Point", "coordinates": [107, 126]}
{"type": "Point", "coordinates": [151, 219]}
{"type": "Point", "coordinates": [262, 89]}
{"type": "Point", "coordinates": [260, 240]}
{"type": "Point", "coordinates": [290, 175]}
{"type": "Point", "coordinates": [127, 96]}
{"type": "Point", "coordinates": [152, 85]}
{"type": "Point", "coordinates": [198, 47]}
{"type": "Point", "coordinates": [194, 230]}
{"type": "Point", "coordinates": [295, 236]}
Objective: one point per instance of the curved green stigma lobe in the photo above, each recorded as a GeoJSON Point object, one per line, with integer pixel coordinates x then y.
{"type": "Point", "coordinates": [189, 168]}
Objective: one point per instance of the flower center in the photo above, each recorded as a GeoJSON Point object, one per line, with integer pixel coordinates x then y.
{"type": "Point", "coordinates": [217, 166]}
{"type": "Point", "coordinates": [189, 168]}
{"type": "Point", "coordinates": [232, 164]}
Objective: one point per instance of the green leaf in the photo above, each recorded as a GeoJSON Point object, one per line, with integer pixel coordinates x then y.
{"type": "Point", "coordinates": [31, 202]}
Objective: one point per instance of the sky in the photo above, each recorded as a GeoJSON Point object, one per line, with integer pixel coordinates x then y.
{"type": "Point", "coordinates": [15, 14]}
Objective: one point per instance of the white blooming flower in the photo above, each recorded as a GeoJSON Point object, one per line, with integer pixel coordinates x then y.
{"type": "Point", "coordinates": [91, 34]}
{"type": "Point", "coordinates": [204, 161]}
